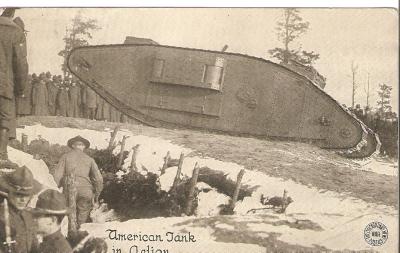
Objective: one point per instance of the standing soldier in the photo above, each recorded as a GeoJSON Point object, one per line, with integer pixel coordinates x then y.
{"type": "Point", "coordinates": [13, 76]}
{"type": "Point", "coordinates": [99, 108]}
{"type": "Point", "coordinates": [62, 101]}
{"type": "Point", "coordinates": [24, 104]}
{"type": "Point", "coordinates": [52, 89]}
{"type": "Point", "coordinates": [17, 187]}
{"type": "Point", "coordinates": [106, 111]}
{"type": "Point", "coordinates": [48, 76]}
{"type": "Point", "coordinates": [40, 97]}
{"type": "Point", "coordinates": [115, 115]}
{"type": "Point", "coordinates": [74, 99]}
{"type": "Point", "coordinates": [88, 179]}
{"type": "Point", "coordinates": [83, 99]}
{"type": "Point", "coordinates": [91, 102]}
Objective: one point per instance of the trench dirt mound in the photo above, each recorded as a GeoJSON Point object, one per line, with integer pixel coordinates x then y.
{"type": "Point", "coordinates": [299, 162]}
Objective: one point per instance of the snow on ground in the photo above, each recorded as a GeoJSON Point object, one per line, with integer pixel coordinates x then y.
{"type": "Point", "coordinates": [150, 155]}
{"type": "Point", "coordinates": [209, 203]}
{"type": "Point", "coordinates": [379, 166]}
{"type": "Point", "coordinates": [342, 218]}
{"type": "Point", "coordinates": [205, 242]}
{"type": "Point", "coordinates": [38, 167]}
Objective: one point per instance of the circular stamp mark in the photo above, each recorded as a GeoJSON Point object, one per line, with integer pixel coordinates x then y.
{"type": "Point", "coordinates": [375, 233]}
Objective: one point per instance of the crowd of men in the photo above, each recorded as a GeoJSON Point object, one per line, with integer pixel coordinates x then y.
{"type": "Point", "coordinates": [21, 227]}
{"type": "Point", "coordinates": [54, 95]}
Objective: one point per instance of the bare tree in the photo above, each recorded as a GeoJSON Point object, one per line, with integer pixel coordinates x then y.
{"type": "Point", "coordinates": [290, 28]}
{"type": "Point", "coordinates": [354, 69]}
{"type": "Point", "coordinates": [366, 89]}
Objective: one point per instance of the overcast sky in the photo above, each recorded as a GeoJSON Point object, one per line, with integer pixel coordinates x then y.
{"type": "Point", "coordinates": [369, 37]}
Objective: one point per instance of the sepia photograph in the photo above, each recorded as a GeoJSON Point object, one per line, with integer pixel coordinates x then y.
{"type": "Point", "coordinates": [174, 130]}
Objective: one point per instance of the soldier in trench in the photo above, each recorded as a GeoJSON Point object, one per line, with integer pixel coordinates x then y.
{"type": "Point", "coordinates": [88, 179]}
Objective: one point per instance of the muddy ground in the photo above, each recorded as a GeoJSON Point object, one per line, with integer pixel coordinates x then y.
{"type": "Point", "coordinates": [300, 162]}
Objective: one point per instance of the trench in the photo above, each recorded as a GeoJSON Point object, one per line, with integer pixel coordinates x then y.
{"type": "Point", "coordinates": [134, 195]}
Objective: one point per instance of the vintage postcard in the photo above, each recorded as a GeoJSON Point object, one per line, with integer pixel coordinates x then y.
{"type": "Point", "coordinates": [167, 130]}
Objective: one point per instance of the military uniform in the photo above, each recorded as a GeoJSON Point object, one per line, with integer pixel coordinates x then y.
{"type": "Point", "coordinates": [55, 243]}
{"type": "Point", "coordinates": [62, 102]}
{"type": "Point", "coordinates": [52, 89]}
{"type": "Point", "coordinates": [51, 203]}
{"type": "Point", "coordinates": [40, 97]}
{"type": "Point", "coordinates": [24, 104]}
{"type": "Point", "coordinates": [13, 77]}
{"type": "Point", "coordinates": [22, 225]}
{"type": "Point", "coordinates": [106, 110]}
{"type": "Point", "coordinates": [99, 108]}
{"type": "Point", "coordinates": [115, 115]}
{"type": "Point", "coordinates": [74, 101]}
{"type": "Point", "coordinates": [90, 102]}
{"type": "Point", "coordinates": [88, 179]}
{"type": "Point", "coordinates": [22, 230]}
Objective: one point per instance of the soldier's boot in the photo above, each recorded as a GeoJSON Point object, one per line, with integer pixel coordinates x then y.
{"type": "Point", "coordinates": [3, 145]}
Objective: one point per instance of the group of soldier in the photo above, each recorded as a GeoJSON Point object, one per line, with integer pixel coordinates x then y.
{"type": "Point", "coordinates": [54, 95]}
{"type": "Point", "coordinates": [21, 227]}
{"type": "Point", "coordinates": [24, 229]}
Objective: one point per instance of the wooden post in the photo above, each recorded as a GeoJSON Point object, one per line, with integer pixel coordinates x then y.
{"type": "Point", "coordinates": [237, 189]}
{"type": "Point", "coordinates": [111, 144]}
{"type": "Point", "coordinates": [24, 142]}
{"type": "Point", "coordinates": [134, 154]}
{"type": "Point", "coordinates": [121, 153]}
{"type": "Point", "coordinates": [192, 186]}
{"type": "Point", "coordinates": [165, 165]}
{"type": "Point", "coordinates": [178, 171]}
{"type": "Point", "coordinates": [70, 192]}
{"type": "Point", "coordinates": [284, 198]}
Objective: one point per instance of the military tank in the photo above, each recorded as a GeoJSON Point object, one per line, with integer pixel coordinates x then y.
{"type": "Point", "coordinates": [175, 87]}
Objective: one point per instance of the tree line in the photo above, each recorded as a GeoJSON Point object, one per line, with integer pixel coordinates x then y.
{"type": "Point", "coordinates": [380, 118]}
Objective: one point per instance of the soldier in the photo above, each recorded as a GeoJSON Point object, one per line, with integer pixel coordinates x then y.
{"type": "Point", "coordinates": [52, 89]}
{"type": "Point", "coordinates": [89, 181]}
{"type": "Point", "coordinates": [99, 108]}
{"type": "Point", "coordinates": [115, 115]}
{"type": "Point", "coordinates": [106, 111]}
{"type": "Point", "coordinates": [62, 101]}
{"type": "Point", "coordinates": [18, 187]}
{"type": "Point", "coordinates": [48, 76]}
{"type": "Point", "coordinates": [124, 118]}
{"type": "Point", "coordinates": [74, 99]}
{"type": "Point", "coordinates": [49, 212]}
{"type": "Point", "coordinates": [359, 112]}
{"type": "Point", "coordinates": [90, 101]}
{"type": "Point", "coordinates": [82, 99]}
{"type": "Point", "coordinates": [24, 104]}
{"type": "Point", "coordinates": [13, 76]}
{"type": "Point", "coordinates": [40, 97]}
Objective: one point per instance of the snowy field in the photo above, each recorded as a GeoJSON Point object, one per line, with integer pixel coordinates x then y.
{"type": "Point", "coordinates": [341, 218]}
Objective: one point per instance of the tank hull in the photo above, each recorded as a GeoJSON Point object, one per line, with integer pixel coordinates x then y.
{"type": "Point", "coordinates": [165, 86]}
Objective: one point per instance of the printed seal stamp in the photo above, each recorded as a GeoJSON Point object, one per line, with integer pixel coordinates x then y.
{"type": "Point", "coordinates": [375, 233]}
